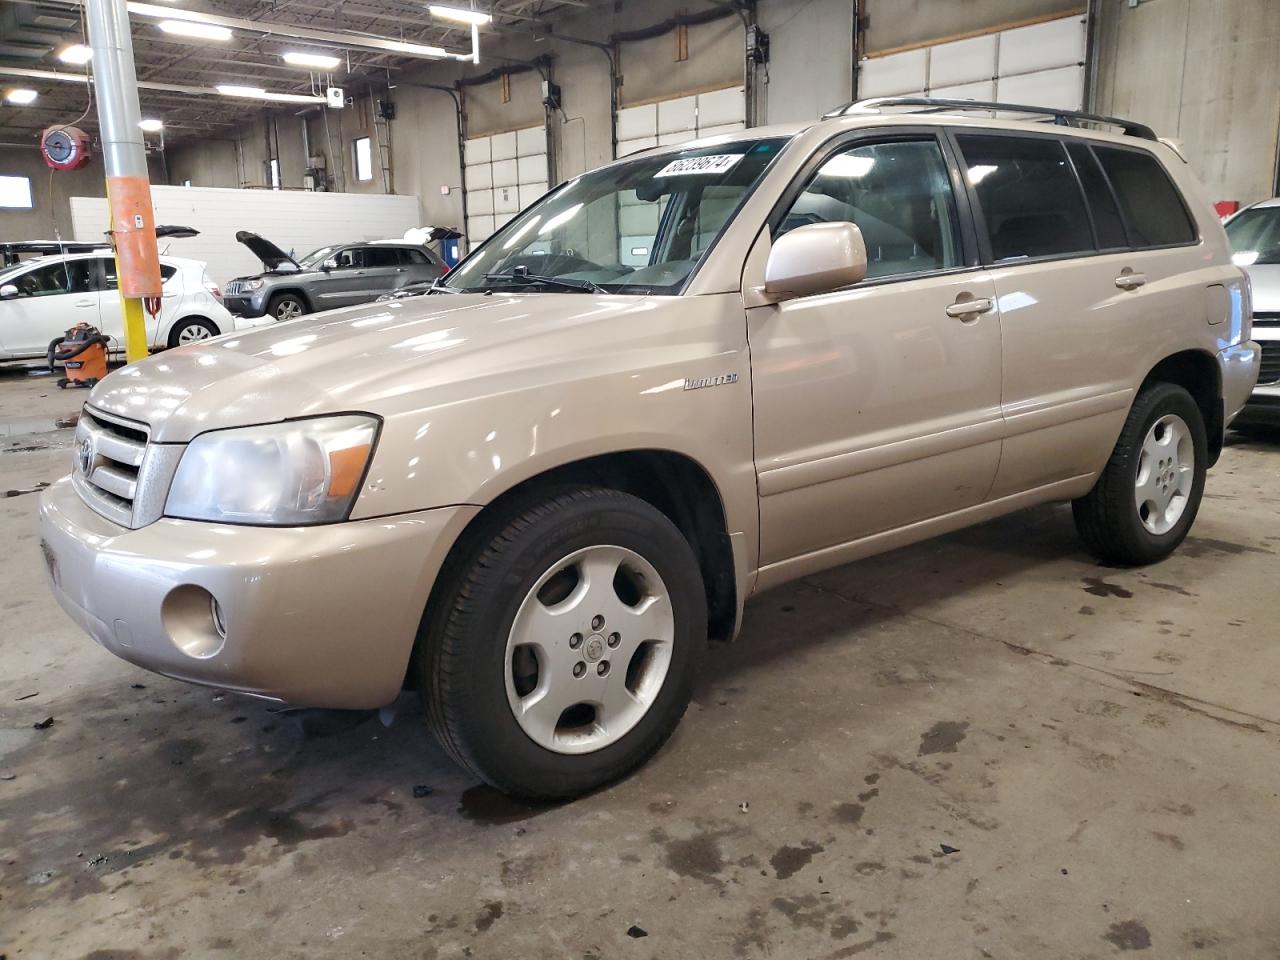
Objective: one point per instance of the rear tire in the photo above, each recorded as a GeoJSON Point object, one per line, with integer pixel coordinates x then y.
{"type": "Point", "coordinates": [1147, 497]}
{"type": "Point", "coordinates": [544, 673]}
{"type": "Point", "coordinates": [286, 306]}
{"type": "Point", "coordinates": [191, 330]}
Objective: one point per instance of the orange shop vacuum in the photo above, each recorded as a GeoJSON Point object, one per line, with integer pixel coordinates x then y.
{"type": "Point", "coordinates": [82, 351]}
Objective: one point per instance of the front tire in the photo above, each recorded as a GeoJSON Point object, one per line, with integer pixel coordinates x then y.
{"type": "Point", "coordinates": [1147, 498]}
{"type": "Point", "coordinates": [286, 306]}
{"type": "Point", "coordinates": [564, 648]}
{"type": "Point", "coordinates": [191, 330]}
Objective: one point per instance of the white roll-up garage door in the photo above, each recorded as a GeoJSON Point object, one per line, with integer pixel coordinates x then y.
{"type": "Point", "coordinates": [503, 174]}
{"type": "Point", "coordinates": [1040, 64]}
{"type": "Point", "coordinates": [681, 119]}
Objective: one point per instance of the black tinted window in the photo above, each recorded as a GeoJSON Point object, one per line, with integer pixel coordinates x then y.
{"type": "Point", "coordinates": [381, 256]}
{"type": "Point", "coordinates": [66, 276]}
{"type": "Point", "coordinates": [1029, 196]}
{"type": "Point", "coordinates": [109, 272]}
{"type": "Point", "coordinates": [1151, 203]}
{"type": "Point", "coordinates": [899, 195]}
{"type": "Point", "coordinates": [414, 256]}
{"type": "Point", "coordinates": [1106, 216]}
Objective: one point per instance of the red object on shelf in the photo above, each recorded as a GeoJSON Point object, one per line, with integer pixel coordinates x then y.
{"type": "Point", "coordinates": [1226, 207]}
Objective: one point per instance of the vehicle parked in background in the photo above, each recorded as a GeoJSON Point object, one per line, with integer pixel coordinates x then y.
{"type": "Point", "coordinates": [1254, 233]}
{"type": "Point", "coordinates": [41, 299]}
{"type": "Point", "coordinates": [691, 375]}
{"type": "Point", "coordinates": [340, 275]}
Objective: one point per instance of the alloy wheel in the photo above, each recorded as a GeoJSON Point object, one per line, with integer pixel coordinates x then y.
{"type": "Point", "coordinates": [1166, 472]}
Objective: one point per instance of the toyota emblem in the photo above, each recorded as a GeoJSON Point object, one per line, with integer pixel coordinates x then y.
{"type": "Point", "coordinates": [84, 455]}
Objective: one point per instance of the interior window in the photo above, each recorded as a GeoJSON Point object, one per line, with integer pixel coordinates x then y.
{"type": "Point", "coordinates": [898, 194]}
{"type": "Point", "coordinates": [1029, 196]}
{"type": "Point", "coordinates": [1152, 206]}
{"type": "Point", "coordinates": [67, 276]}
{"type": "Point", "coordinates": [1106, 215]}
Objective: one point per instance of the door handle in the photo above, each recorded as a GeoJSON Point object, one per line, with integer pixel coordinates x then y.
{"type": "Point", "coordinates": [1131, 281]}
{"type": "Point", "coordinates": [86, 303]}
{"type": "Point", "coordinates": [970, 308]}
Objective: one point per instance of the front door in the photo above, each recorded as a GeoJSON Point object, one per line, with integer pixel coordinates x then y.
{"type": "Point", "coordinates": [878, 405]}
{"type": "Point", "coordinates": [347, 282]}
{"type": "Point", "coordinates": [52, 298]}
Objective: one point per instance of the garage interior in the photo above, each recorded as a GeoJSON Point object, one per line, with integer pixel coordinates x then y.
{"type": "Point", "coordinates": [983, 745]}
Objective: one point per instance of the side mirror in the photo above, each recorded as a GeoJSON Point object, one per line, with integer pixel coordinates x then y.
{"type": "Point", "coordinates": [330, 264]}
{"type": "Point", "coordinates": [8, 291]}
{"type": "Point", "coordinates": [815, 258]}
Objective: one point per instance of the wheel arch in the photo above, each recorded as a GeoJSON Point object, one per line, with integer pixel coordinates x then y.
{"type": "Point", "coordinates": [673, 483]}
{"type": "Point", "coordinates": [1197, 372]}
{"type": "Point", "coordinates": [298, 292]}
{"type": "Point", "coordinates": [171, 330]}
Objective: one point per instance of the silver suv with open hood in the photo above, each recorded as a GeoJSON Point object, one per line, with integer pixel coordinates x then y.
{"type": "Point", "coordinates": [338, 275]}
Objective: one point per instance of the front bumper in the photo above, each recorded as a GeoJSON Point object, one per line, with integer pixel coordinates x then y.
{"type": "Point", "coordinates": [246, 305]}
{"type": "Point", "coordinates": [1263, 405]}
{"type": "Point", "coordinates": [1239, 366]}
{"type": "Point", "coordinates": [321, 616]}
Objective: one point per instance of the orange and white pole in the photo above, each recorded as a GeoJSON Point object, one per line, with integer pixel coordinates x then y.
{"type": "Point", "coordinates": [128, 187]}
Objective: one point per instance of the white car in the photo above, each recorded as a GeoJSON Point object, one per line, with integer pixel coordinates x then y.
{"type": "Point", "coordinates": [41, 299]}
{"type": "Point", "coordinates": [1254, 233]}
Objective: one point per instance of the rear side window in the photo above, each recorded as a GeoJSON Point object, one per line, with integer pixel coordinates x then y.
{"type": "Point", "coordinates": [1030, 199]}
{"type": "Point", "coordinates": [1152, 206]}
{"type": "Point", "coordinates": [381, 257]}
{"type": "Point", "coordinates": [411, 256]}
{"type": "Point", "coordinates": [112, 283]}
{"type": "Point", "coordinates": [1106, 215]}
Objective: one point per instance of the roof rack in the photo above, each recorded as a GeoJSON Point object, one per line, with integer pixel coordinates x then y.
{"type": "Point", "coordinates": [1066, 118]}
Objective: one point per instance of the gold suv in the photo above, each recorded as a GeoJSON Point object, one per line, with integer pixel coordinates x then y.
{"type": "Point", "coordinates": [671, 383]}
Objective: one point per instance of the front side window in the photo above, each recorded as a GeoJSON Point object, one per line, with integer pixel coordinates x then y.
{"type": "Point", "coordinates": [898, 194]}
{"type": "Point", "coordinates": [67, 276]}
{"type": "Point", "coordinates": [1255, 236]}
{"type": "Point", "coordinates": [640, 226]}
{"type": "Point", "coordinates": [1155, 212]}
{"type": "Point", "coordinates": [350, 258]}
{"type": "Point", "coordinates": [1029, 196]}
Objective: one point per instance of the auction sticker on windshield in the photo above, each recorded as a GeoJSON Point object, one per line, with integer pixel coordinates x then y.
{"type": "Point", "coordinates": [718, 163]}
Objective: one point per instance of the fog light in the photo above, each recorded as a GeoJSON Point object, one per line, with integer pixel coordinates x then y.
{"type": "Point", "coordinates": [219, 624]}
{"type": "Point", "coordinates": [194, 621]}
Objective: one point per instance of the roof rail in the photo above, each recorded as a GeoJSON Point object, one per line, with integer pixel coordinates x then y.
{"type": "Point", "coordinates": [1066, 118]}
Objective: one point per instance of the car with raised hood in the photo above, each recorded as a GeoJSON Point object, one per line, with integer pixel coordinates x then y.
{"type": "Point", "coordinates": [668, 385]}
{"type": "Point", "coordinates": [338, 275]}
{"type": "Point", "coordinates": [1254, 233]}
{"type": "Point", "coordinates": [41, 298]}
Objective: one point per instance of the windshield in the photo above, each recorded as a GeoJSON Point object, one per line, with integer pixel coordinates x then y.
{"type": "Point", "coordinates": [638, 227]}
{"type": "Point", "coordinates": [1255, 236]}
{"type": "Point", "coordinates": [317, 257]}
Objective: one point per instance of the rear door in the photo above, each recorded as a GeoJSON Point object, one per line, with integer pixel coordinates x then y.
{"type": "Point", "coordinates": [112, 314]}
{"type": "Point", "coordinates": [383, 271]}
{"type": "Point", "coordinates": [1076, 302]}
{"type": "Point", "coordinates": [52, 297]}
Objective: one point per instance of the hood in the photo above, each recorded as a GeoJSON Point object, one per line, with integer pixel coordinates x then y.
{"type": "Point", "coordinates": [272, 257]}
{"type": "Point", "coordinates": [1264, 279]}
{"type": "Point", "coordinates": [373, 358]}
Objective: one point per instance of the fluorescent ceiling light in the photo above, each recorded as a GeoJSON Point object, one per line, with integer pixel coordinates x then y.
{"type": "Point", "coordinates": [257, 93]}
{"type": "Point", "coordinates": [474, 17]}
{"type": "Point", "coordinates": [322, 61]}
{"type": "Point", "coordinates": [403, 46]}
{"type": "Point", "coordinates": [190, 28]}
{"type": "Point", "coordinates": [21, 96]}
{"type": "Point", "coordinates": [151, 125]}
{"type": "Point", "coordinates": [77, 53]}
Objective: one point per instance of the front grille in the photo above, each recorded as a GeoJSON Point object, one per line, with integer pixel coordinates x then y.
{"type": "Point", "coordinates": [1270, 370]}
{"type": "Point", "coordinates": [109, 453]}
{"type": "Point", "coordinates": [118, 472]}
{"type": "Point", "coordinates": [233, 287]}
{"type": "Point", "coordinates": [1266, 318]}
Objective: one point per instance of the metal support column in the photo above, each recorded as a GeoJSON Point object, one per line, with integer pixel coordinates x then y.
{"type": "Point", "coordinates": [128, 187]}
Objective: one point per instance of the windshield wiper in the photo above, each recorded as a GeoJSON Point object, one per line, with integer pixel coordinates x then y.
{"type": "Point", "coordinates": [522, 275]}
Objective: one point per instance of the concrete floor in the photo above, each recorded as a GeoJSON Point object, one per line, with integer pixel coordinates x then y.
{"type": "Point", "coordinates": [983, 746]}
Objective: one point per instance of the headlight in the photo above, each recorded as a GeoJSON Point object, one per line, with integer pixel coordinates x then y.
{"type": "Point", "coordinates": [252, 284]}
{"type": "Point", "coordinates": [278, 474]}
